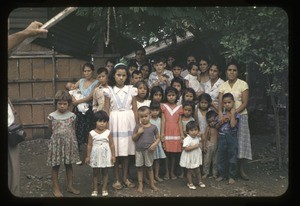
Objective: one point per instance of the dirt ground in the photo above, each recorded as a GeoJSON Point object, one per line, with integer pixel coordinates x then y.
{"type": "Point", "coordinates": [266, 180]}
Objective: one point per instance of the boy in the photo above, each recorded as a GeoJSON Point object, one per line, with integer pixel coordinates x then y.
{"type": "Point", "coordinates": [98, 96]}
{"type": "Point", "coordinates": [136, 76]}
{"type": "Point", "coordinates": [161, 76]}
{"type": "Point", "coordinates": [210, 144]}
{"type": "Point", "coordinates": [177, 70]}
{"type": "Point", "coordinates": [227, 142]}
{"type": "Point", "coordinates": [145, 145]}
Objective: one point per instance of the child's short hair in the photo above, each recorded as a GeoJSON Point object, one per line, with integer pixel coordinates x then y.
{"type": "Point", "coordinates": [111, 61]}
{"type": "Point", "coordinates": [228, 95]}
{"type": "Point", "coordinates": [136, 85]}
{"type": "Point", "coordinates": [206, 97]}
{"type": "Point", "coordinates": [189, 103]}
{"type": "Point", "coordinates": [209, 114]}
{"type": "Point", "coordinates": [158, 60]}
{"type": "Point", "coordinates": [132, 64]}
{"type": "Point", "coordinates": [171, 89]}
{"type": "Point", "coordinates": [154, 104]}
{"type": "Point", "coordinates": [143, 109]}
{"type": "Point", "coordinates": [189, 90]}
{"type": "Point", "coordinates": [101, 116]}
{"type": "Point", "coordinates": [101, 70]}
{"type": "Point", "coordinates": [176, 64]}
{"type": "Point", "coordinates": [190, 66]}
{"type": "Point", "coordinates": [62, 96]}
{"type": "Point", "coordinates": [180, 81]}
{"type": "Point", "coordinates": [136, 72]}
{"type": "Point", "coordinates": [192, 125]}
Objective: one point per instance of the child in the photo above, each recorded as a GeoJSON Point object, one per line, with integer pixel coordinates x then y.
{"type": "Point", "coordinates": [136, 76]}
{"type": "Point", "coordinates": [191, 156]}
{"type": "Point", "coordinates": [98, 96]}
{"type": "Point", "coordinates": [63, 147]}
{"type": "Point", "coordinates": [121, 106]}
{"type": "Point", "coordinates": [204, 102]}
{"type": "Point", "coordinates": [171, 130]}
{"type": "Point", "coordinates": [132, 66]}
{"type": "Point", "coordinates": [100, 152]}
{"type": "Point", "coordinates": [159, 152]}
{"type": "Point", "coordinates": [178, 83]}
{"type": "Point", "coordinates": [156, 94]}
{"type": "Point", "coordinates": [146, 138]}
{"type": "Point", "coordinates": [161, 76]}
{"type": "Point", "coordinates": [189, 94]}
{"type": "Point", "coordinates": [143, 93]}
{"type": "Point", "coordinates": [176, 70]}
{"type": "Point", "coordinates": [109, 64]}
{"type": "Point", "coordinates": [210, 143]}
{"type": "Point", "coordinates": [228, 142]}
{"type": "Point", "coordinates": [76, 93]}
{"type": "Point", "coordinates": [192, 77]}
{"type": "Point", "coordinates": [146, 69]}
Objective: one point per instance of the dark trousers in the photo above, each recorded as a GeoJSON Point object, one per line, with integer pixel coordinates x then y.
{"type": "Point", "coordinates": [227, 155]}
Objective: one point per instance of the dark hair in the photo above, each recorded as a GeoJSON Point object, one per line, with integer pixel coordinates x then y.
{"type": "Point", "coordinates": [171, 89]}
{"type": "Point", "coordinates": [137, 72]}
{"type": "Point", "coordinates": [209, 114]}
{"type": "Point", "coordinates": [191, 125]}
{"type": "Point", "coordinates": [228, 95]}
{"type": "Point", "coordinates": [206, 97]}
{"type": "Point", "coordinates": [110, 60]}
{"type": "Point", "coordinates": [89, 65]}
{"type": "Point", "coordinates": [111, 77]}
{"type": "Point", "coordinates": [132, 64]}
{"type": "Point", "coordinates": [102, 69]}
{"type": "Point", "coordinates": [189, 90]}
{"type": "Point", "coordinates": [154, 104]}
{"type": "Point", "coordinates": [189, 103]}
{"type": "Point", "coordinates": [190, 66]}
{"type": "Point", "coordinates": [136, 85]}
{"type": "Point", "coordinates": [158, 60]}
{"type": "Point", "coordinates": [101, 116]}
{"type": "Point", "coordinates": [205, 58]}
{"type": "Point", "coordinates": [180, 81]}
{"type": "Point", "coordinates": [233, 62]}
{"type": "Point", "coordinates": [143, 109]}
{"type": "Point", "coordinates": [62, 96]}
{"type": "Point", "coordinates": [140, 49]}
{"type": "Point", "coordinates": [176, 64]}
{"type": "Point", "coordinates": [156, 89]}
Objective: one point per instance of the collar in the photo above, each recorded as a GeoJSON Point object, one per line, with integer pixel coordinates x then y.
{"type": "Point", "coordinates": [117, 89]}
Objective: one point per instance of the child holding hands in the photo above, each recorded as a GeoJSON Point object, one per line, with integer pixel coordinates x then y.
{"type": "Point", "coordinates": [100, 151]}
{"type": "Point", "coordinates": [63, 147]}
{"type": "Point", "coordinates": [145, 146]}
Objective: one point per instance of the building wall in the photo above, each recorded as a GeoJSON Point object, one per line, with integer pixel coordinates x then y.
{"type": "Point", "coordinates": [35, 74]}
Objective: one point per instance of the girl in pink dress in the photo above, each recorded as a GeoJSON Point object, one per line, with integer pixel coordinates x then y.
{"type": "Point", "coordinates": [171, 130]}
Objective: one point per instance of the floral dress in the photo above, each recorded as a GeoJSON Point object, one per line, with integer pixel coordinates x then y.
{"type": "Point", "coordinates": [63, 147]}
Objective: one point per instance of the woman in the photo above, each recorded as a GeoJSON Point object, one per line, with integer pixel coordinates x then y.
{"type": "Point", "coordinates": [213, 84]}
{"type": "Point", "coordinates": [84, 121]}
{"type": "Point", "coordinates": [203, 67]}
{"type": "Point", "coordinates": [240, 91]}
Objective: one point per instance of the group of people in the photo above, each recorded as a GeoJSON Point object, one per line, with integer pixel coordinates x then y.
{"type": "Point", "coordinates": [187, 119]}
{"type": "Point", "coordinates": [184, 116]}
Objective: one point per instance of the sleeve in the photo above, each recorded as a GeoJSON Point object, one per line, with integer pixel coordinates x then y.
{"type": "Point", "coordinates": [163, 108]}
{"type": "Point", "coordinates": [244, 86]}
{"type": "Point", "coordinates": [221, 88]}
{"type": "Point", "coordinates": [151, 80]}
{"type": "Point", "coordinates": [136, 128]}
{"type": "Point", "coordinates": [133, 91]}
{"type": "Point", "coordinates": [106, 92]}
{"type": "Point", "coordinates": [50, 117]}
{"type": "Point", "coordinates": [180, 110]}
{"type": "Point", "coordinates": [185, 142]}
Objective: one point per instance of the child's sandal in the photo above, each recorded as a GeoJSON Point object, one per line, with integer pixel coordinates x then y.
{"type": "Point", "coordinates": [201, 184]}
{"type": "Point", "coordinates": [191, 186]}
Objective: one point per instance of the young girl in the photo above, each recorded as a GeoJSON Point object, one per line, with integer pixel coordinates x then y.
{"type": "Point", "coordinates": [157, 94]}
{"type": "Point", "coordinates": [192, 77]}
{"type": "Point", "coordinates": [204, 102]}
{"type": "Point", "coordinates": [63, 147]}
{"type": "Point", "coordinates": [159, 153]}
{"type": "Point", "coordinates": [100, 151]}
{"type": "Point", "coordinates": [171, 130]}
{"type": "Point", "coordinates": [121, 106]}
{"type": "Point", "coordinates": [178, 83]}
{"type": "Point", "coordinates": [191, 156]}
{"type": "Point", "coordinates": [189, 94]}
{"type": "Point", "coordinates": [143, 93]}
{"type": "Point", "coordinates": [98, 96]}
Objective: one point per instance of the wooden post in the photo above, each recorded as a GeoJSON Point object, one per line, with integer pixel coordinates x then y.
{"type": "Point", "coordinates": [47, 25]}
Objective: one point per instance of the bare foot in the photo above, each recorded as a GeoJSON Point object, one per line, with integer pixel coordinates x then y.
{"type": "Point", "coordinates": [73, 190]}
{"type": "Point", "coordinates": [57, 194]}
{"type": "Point", "coordinates": [140, 189]}
{"type": "Point", "coordinates": [154, 188]}
{"type": "Point", "coordinates": [231, 181]}
{"type": "Point", "coordinates": [220, 179]}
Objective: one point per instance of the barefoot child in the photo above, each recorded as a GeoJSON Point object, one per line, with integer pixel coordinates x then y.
{"type": "Point", "coordinates": [63, 147]}
{"type": "Point", "coordinates": [145, 145]}
{"type": "Point", "coordinates": [100, 151]}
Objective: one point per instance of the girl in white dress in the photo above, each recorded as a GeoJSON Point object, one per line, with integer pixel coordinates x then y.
{"type": "Point", "coordinates": [120, 103]}
{"type": "Point", "coordinates": [100, 151]}
{"type": "Point", "coordinates": [193, 79]}
{"type": "Point", "coordinates": [191, 156]}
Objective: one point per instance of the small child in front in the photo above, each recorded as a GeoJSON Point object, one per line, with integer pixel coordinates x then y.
{"type": "Point", "coordinates": [76, 93]}
{"type": "Point", "coordinates": [145, 145]}
{"type": "Point", "coordinates": [228, 142]}
{"type": "Point", "coordinates": [191, 156]}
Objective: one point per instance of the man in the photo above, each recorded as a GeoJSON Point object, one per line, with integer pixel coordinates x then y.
{"type": "Point", "coordinates": [140, 54]}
